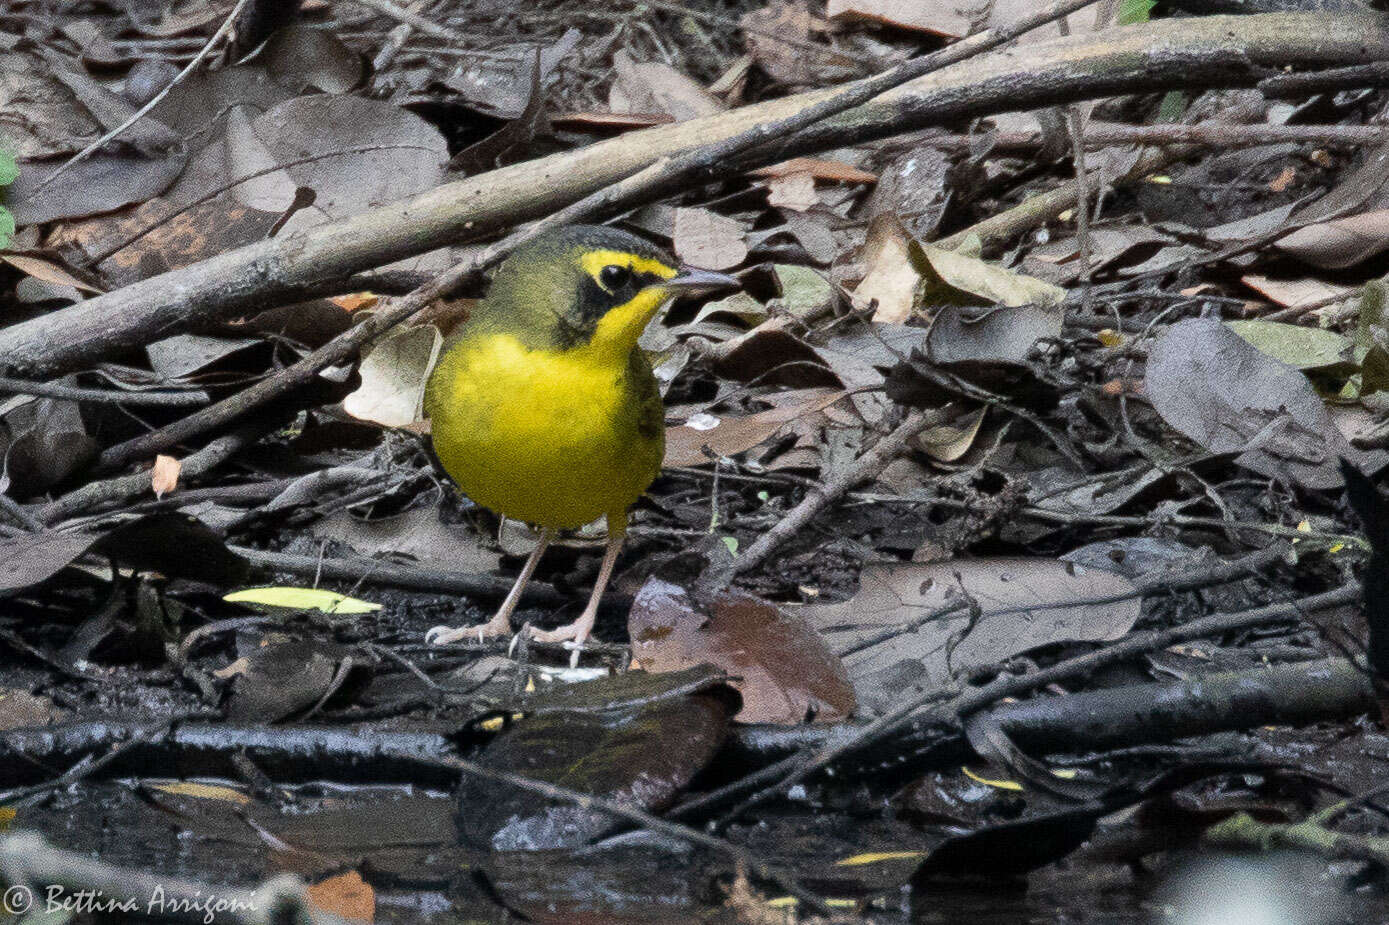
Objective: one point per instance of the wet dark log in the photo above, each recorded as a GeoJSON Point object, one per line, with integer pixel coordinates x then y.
{"type": "Point", "coordinates": [1291, 694]}
{"type": "Point", "coordinates": [299, 753]}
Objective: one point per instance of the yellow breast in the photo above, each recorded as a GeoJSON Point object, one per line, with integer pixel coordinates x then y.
{"type": "Point", "coordinates": [551, 437]}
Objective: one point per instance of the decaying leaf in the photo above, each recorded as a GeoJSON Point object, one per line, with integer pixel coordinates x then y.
{"type": "Point", "coordinates": [729, 435]}
{"type": "Point", "coordinates": [1300, 347]}
{"type": "Point", "coordinates": [779, 664]}
{"type": "Point", "coordinates": [953, 277]}
{"type": "Point", "coordinates": [1224, 394]}
{"type": "Point", "coordinates": [1023, 603]}
{"type": "Point", "coordinates": [792, 191]}
{"type": "Point", "coordinates": [282, 677]}
{"type": "Point", "coordinates": [893, 278]}
{"type": "Point", "coordinates": [640, 755]}
{"type": "Point", "coordinates": [650, 86]}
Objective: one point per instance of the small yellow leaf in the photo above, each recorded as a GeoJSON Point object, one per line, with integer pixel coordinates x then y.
{"type": "Point", "coordinates": [998, 784]}
{"type": "Point", "coordinates": [875, 857]}
{"type": "Point", "coordinates": [203, 791]}
{"type": "Point", "coordinates": [790, 902]}
{"type": "Point", "coordinates": [288, 598]}
{"type": "Point", "coordinates": [1110, 337]}
{"type": "Point", "coordinates": [7, 814]}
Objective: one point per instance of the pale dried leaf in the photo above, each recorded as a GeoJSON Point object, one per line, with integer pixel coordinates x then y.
{"type": "Point", "coordinates": [792, 191]}
{"type": "Point", "coordinates": [164, 475]}
{"type": "Point", "coordinates": [645, 87]}
{"type": "Point", "coordinates": [708, 240]}
{"type": "Point", "coordinates": [938, 17]}
{"type": "Point", "coordinates": [394, 375]}
{"type": "Point", "coordinates": [727, 435]}
{"type": "Point", "coordinates": [892, 279]}
{"type": "Point", "coordinates": [1023, 603]}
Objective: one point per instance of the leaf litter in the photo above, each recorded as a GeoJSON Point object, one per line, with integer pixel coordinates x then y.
{"type": "Point", "coordinates": [1193, 406]}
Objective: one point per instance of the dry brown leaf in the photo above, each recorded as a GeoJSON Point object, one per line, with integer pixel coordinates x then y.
{"type": "Point", "coordinates": [394, 375]}
{"type": "Point", "coordinates": [778, 37]}
{"type": "Point", "coordinates": [356, 300]}
{"type": "Point", "coordinates": [726, 436]}
{"type": "Point", "coordinates": [612, 121]}
{"type": "Point", "coordinates": [47, 271]}
{"type": "Point", "coordinates": [793, 191]}
{"type": "Point", "coordinates": [347, 895]}
{"type": "Point", "coordinates": [780, 665]}
{"type": "Point", "coordinates": [1341, 242]}
{"type": "Point", "coordinates": [1295, 292]}
{"type": "Point", "coordinates": [708, 240]}
{"type": "Point", "coordinates": [164, 475]}
{"type": "Point", "coordinates": [821, 169]}
{"type": "Point", "coordinates": [653, 87]}
{"type": "Point", "coordinates": [949, 442]}
{"type": "Point", "coordinates": [937, 18]}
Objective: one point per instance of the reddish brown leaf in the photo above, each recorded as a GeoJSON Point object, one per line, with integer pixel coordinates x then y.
{"type": "Point", "coordinates": [819, 168]}
{"type": "Point", "coordinates": [780, 665]}
{"type": "Point", "coordinates": [346, 895]}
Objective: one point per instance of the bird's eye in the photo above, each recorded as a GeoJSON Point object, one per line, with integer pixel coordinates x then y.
{"type": "Point", "coordinates": [614, 276]}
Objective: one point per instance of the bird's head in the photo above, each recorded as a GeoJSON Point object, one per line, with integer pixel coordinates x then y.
{"type": "Point", "coordinates": [590, 286]}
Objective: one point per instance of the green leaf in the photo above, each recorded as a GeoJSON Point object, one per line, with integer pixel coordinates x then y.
{"type": "Point", "coordinates": [286, 598]}
{"type": "Point", "coordinates": [6, 226]}
{"type": "Point", "coordinates": [1135, 11]}
{"type": "Point", "coordinates": [804, 291]}
{"type": "Point", "coordinates": [9, 170]}
{"type": "Point", "coordinates": [1374, 371]}
{"type": "Point", "coordinates": [1172, 106]}
{"type": "Point", "coordinates": [1303, 348]}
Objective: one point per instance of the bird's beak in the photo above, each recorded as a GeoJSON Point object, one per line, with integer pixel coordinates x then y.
{"type": "Point", "coordinates": [690, 281]}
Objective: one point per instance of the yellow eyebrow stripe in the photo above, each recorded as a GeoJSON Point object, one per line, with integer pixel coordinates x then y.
{"type": "Point", "coordinates": [594, 261]}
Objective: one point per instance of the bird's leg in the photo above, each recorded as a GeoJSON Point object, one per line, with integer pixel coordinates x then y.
{"type": "Point", "coordinates": [578, 630]}
{"type": "Point", "coordinates": [500, 624]}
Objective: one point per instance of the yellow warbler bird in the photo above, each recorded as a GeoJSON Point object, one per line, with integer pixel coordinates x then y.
{"type": "Point", "coordinates": [543, 407]}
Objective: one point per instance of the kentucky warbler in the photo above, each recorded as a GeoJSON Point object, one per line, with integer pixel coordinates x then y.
{"type": "Point", "coordinates": [544, 409]}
